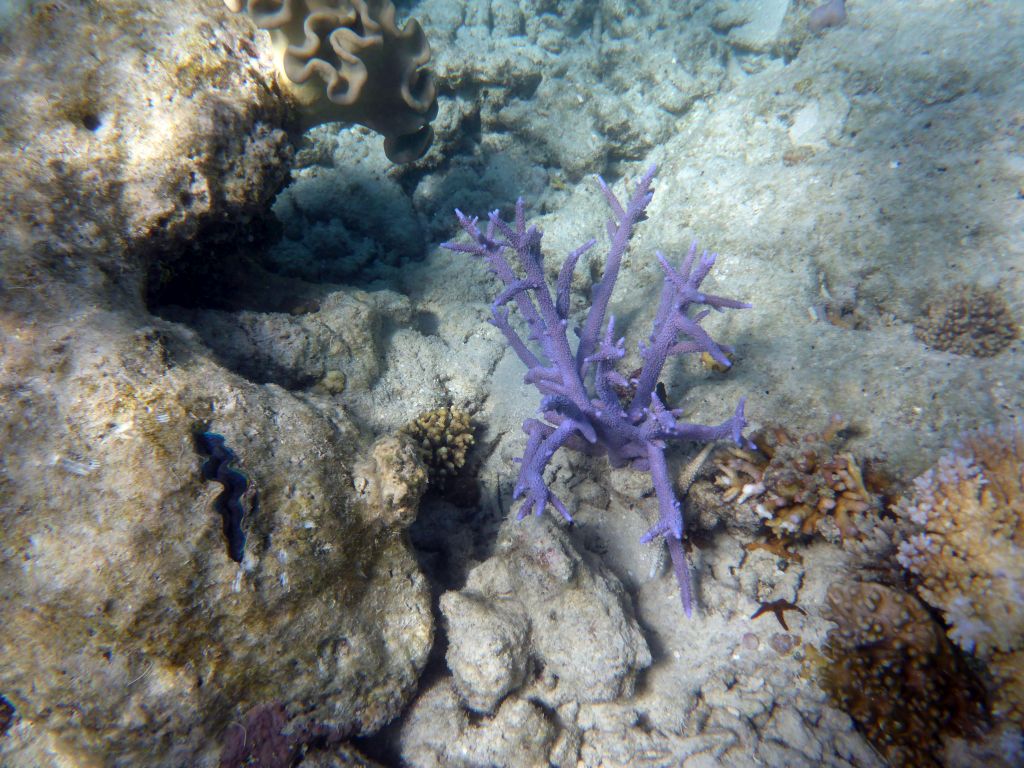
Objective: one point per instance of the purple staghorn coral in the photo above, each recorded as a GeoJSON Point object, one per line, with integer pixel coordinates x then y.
{"type": "Point", "coordinates": [597, 421]}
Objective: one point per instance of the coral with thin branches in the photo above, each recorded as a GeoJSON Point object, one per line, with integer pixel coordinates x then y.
{"type": "Point", "coordinates": [965, 548]}
{"type": "Point", "coordinates": [801, 486]}
{"type": "Point", "coordinates": [583, 406]}
{"type": "Point", "coordinates": [967, 543]}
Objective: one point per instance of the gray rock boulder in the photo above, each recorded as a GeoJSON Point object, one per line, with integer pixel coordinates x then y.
{"type": "Point", "coordinates": [581, 629]}
{"type": "Point", "coordinates": [439, 734]}
{"type": "Point", "coordinates": [487, 648]}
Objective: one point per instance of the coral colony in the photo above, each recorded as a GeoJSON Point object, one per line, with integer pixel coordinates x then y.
{"type": "Point", "coordinates": [623, 418]}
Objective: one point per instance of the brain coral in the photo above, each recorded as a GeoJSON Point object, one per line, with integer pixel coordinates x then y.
{"type": "Point", "coordinates": [967, 320]}
{"type": "Point", "coordinates": [347, 60]}
{"type": "Point", "coordinates": [895, 673]}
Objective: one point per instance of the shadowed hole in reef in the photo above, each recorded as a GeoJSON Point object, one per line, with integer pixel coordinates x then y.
{"type": "Point", "coordinates": [7, 715]}
{"type": "Point", "coordinates": [426, 323]}
{"type": "Point", "coordinates": [243, 283]}
{"type": "Point", "coordinates": [216, 281]}
{"type": "Point", "coordinates": [350, 227]}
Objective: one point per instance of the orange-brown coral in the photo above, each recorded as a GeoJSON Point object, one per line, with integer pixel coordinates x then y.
{"type": "Point", "coordinates": [967, 547]}
{"type": "Point", "coordinates": [893, 671]}
{"type": "Point", "coordinates": [966, 551]}
{"type": "Point", "coordinates": [797, 485]}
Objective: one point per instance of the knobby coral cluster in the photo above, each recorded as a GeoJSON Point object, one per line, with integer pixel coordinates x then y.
{"type": "Point", "coordinates": [798, 485]}
{"type": "Point", "coordinates": [967, 320]}
{"type": "Point", "coordinates": [893, 670]}
{"type": "Point", "coordinates": [444, 437]}
{"type": "Point", "coordinates": [594, 417]}
{"type": "Point", "coordinates": [347, 61]}
{"type": "Point", "coordinates": [966, 552]}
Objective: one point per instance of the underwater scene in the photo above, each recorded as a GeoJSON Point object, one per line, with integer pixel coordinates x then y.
{"type": "Point", "coordinates": [511, 383]}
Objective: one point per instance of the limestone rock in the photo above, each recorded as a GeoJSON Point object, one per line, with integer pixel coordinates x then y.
{"type": "Point", "coordinates": [487, 649]}
{"type": "Point", "coordinates": [125, 626]}
{"type": "Point", "coordinates": [391, 481]}
{"type": "Point", "coordinates": [128, 130]}
{"type": "Point", "coordinates": [134, 137]}
{"type": "Point", "coordinates": [439, 734]}
{"type": "Point", "coordinates": [582, 628]}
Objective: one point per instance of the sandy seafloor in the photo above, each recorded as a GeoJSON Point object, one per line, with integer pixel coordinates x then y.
{"type": "Point", "coordinates": [845, 178]}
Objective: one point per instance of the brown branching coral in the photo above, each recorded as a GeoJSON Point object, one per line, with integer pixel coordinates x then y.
{"type": "Point", "coordinates": [967, 320]}
{"type": "Point", "coordinates": [443, 437]}
{"type": "Point", "coordinates": [966, 551]}
{"type": "Point", "coordinates": [347, 60]}
{"type": "Point", "coordinates": [798, 485]}
{"type": "Point", "coordinates": [893, 671]}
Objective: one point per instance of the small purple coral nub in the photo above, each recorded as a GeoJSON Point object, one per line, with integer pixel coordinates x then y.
{"type": "Point", "coordinates": [583, 406]}
{"type": "Point", "coordinates": [830, 14]}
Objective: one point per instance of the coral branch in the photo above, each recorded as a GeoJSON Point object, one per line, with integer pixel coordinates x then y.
{"type": "Point", "coordinates": [594, 419]}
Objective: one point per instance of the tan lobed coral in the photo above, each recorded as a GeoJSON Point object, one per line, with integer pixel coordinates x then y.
{"type": "Point", "coordinates": [967, 320]}
{"type": "Point", "coordinates": [443, 437]}
{"type": "Point", "coordinates": [893, 671]}
{"type": "Point", "coordinates": [967, 549]}
{"type": "Point", "coordinates": [347, 61]}
{"type": "Point", "coordinates": [798, 484]}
